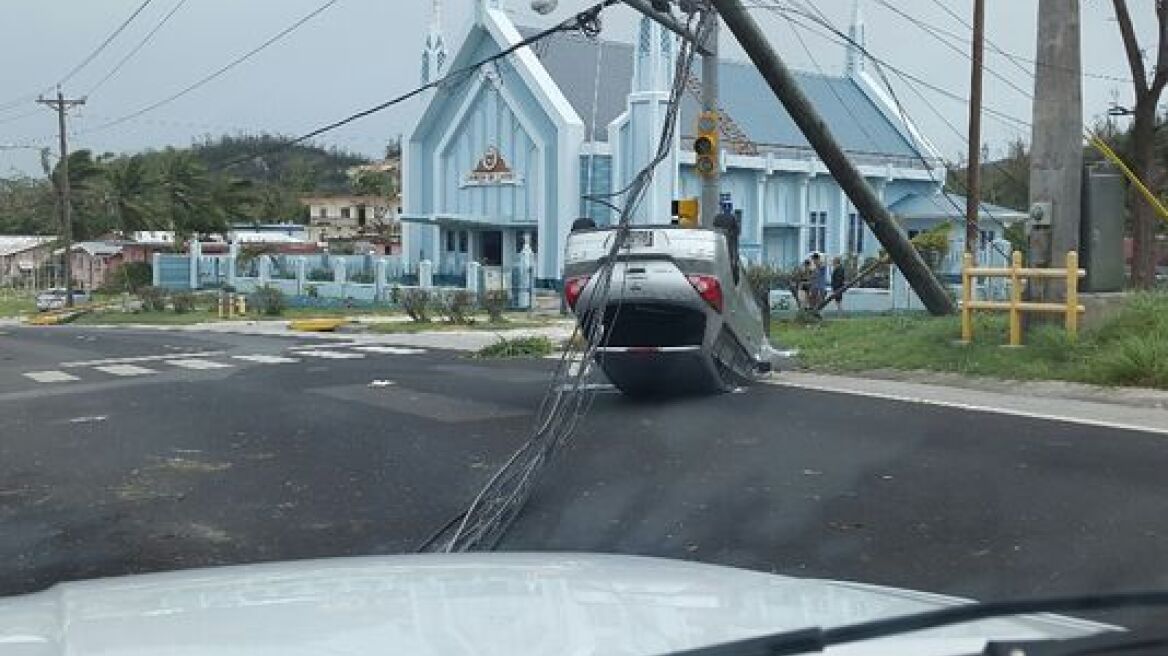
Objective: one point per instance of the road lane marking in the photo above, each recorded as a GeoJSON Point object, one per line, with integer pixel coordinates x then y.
{"type": "Point", "coordinates": [51, 376]}
{"type": "Point", "coordinates": [332, 355]}
{"type": "Point", "coordinates": [197, 364]}
{"type": "Point", "coordinates": [266, 359]}
{"type": "Point", "coordinates": [390, 350]}
{"type": "Point", "coordinates": [143, 358]}
{"type": "Point", "coordinates": [972, 407]}
{"type": "Point", "coordinates": [125, 370]}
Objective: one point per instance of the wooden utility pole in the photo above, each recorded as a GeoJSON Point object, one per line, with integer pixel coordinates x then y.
{"type": "Point", "coordinates": [973, 172]}
{"type": "Point", "coordinates": [62, 105]}
{"type": "Point", "coordinates": [783, 84]}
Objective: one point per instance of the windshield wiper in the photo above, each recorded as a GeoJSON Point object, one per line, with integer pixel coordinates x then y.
{"type": "Point", "coordinates": [815, 639]}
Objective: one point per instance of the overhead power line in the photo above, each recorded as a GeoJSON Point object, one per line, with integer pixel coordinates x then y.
{"type": "Point", "coordinates": [586, 20]}
{"type": "Point", "coordinates": [218, 72]}
{"type": "Point", "coordinates": [141, 44]}
{"type": "Point", "coordinates": [1016, 58]}
{"type": "Point", "coordinates": [109, 39]}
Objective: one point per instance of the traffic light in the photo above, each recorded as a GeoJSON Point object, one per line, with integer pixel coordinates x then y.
{"type": "Point", "coordinates": [706, 144]}
{"type": "Point", "coordinates": [687, 211]}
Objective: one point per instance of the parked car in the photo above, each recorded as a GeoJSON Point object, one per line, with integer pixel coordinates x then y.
{"type": "Point", "coordinates": [54, 299]}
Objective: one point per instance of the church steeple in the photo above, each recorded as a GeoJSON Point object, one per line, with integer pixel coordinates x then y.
{"type": "Point", "coordinates": [855, 62]}
{"type": "Point", "coordinates": [434, 55]}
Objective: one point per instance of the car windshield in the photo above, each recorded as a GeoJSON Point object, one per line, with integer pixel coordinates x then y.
{"type": "Point", "coordinates": [792, 289]}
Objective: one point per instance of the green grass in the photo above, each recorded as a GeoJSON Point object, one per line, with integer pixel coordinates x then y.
{"type": "Point", "coordinates": [398, 327]}
{"type": "Point", "coordinates": [14, 305]}
{"type": "Point", "coordinates": [166, 318]}
{"type": "Point", "coordinates": [1129, 349]}
{"type": "Point", "coordinates": [519, 347]}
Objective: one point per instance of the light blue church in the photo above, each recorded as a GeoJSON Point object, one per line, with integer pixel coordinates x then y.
{"type": "Point", "coordinates": [503, 157]}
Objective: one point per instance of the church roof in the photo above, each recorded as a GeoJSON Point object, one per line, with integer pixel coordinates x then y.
{"type": "Point", "coordinates": [855, 120]}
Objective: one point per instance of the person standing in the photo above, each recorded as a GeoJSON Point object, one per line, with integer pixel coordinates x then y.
{"type": "Point", "coordinates": [818, 281]}
{"type": "Point", "coordinates": [838, 280]}
{"type": "Point", "coordinates": [803, 285]}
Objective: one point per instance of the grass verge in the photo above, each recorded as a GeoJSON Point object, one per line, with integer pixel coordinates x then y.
{"type": "Point", "coordinates": [16, 305]}
{"type": "Point", "coordinates": [518, 347]}
{"type": "Point", "coordinates": [1129, 349]}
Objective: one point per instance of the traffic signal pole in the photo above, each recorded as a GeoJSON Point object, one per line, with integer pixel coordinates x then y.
{"type": "Point", "coordinates": [711, 183]}
{"type": "Point", "coordinates": [867, 203]}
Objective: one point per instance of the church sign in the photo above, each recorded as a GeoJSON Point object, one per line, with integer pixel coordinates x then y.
{"type": "Point", "coordinates": [491, 169]}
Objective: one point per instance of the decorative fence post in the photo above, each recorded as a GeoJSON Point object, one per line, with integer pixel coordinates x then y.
{"type": "Point", "coordinates": [474, 275]}
{"type": "Point", "coordinates": [195, 252]}
{"type": "Point", "coordinates": [265, 267]}
{"type": "Point", "coordinates": [156, 272]}
{"type": "Point", "coordinates": [425, 274]}
{"type": "Point", "coordinates": [378, 278]}
{"type": "Point", "coordinates": [232, 260]}
{"type": "Point", "coordinates": [526, 262]}
{"type": "Point", "coordinates": [301, 275]}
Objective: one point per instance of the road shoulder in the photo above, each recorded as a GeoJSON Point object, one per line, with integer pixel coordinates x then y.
{"type": "Point", "coordinates": [1125, 408]}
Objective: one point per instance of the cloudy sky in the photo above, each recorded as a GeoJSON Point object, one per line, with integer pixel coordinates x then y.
{"type": "Point", "coordinates": [357, 53]}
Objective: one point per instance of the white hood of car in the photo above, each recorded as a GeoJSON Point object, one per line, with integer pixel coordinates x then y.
{"type": "Point", "coordinates": [495, 603]}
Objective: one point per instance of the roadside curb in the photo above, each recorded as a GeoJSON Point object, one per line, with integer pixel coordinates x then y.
{"type": "Point", "coordinates": [1100, 410]}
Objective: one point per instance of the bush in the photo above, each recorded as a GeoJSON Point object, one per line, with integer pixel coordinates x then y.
{"type": "Point", "coordinates": [153, 298]}
{"type": "Point", "coordinates": [129, 277]}
{"type": "Point", "coordinates": [417, 304]}
{"type": "Point", "coordinates": [312, 291]}
{"type": "Point", "coordinates": [458, 306]}
{"type": "Point", "coordinates": [519, 347]}
{"type": "Point", "coordinates": [183, 302]}
{"type": "Point", "coordinates": [494, 303]}
{"type": "Point", "coordinates": [1137, 360]}
{"type": "Point", "coordinates": [268, 301]}
{"type": "Point", "coordinates": [320, 275]}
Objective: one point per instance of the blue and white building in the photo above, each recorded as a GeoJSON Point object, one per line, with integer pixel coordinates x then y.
{"type": "Point", "coordinates": [506, 155]}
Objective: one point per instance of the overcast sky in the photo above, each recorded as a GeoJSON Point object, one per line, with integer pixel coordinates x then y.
{"type": "Point", "coordinates": [360, 52]}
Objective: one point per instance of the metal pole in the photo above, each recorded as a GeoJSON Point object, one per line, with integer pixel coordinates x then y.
{"type": "Point", "coordinates": [711, 187]}
{"type": "Point", "coordinates": [934, 296]}
{"type": "Point", "coordinates": [973, 173]}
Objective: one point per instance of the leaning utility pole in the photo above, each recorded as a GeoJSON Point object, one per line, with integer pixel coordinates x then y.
{"type": "Point", "coordinates": [867, 203]}
{"type": "Point", "coordinates": [1056, 152]}
{"type": "Point", "coordinates": [973, 172]}
{"type": "Point", "coordinates": [62, 105]}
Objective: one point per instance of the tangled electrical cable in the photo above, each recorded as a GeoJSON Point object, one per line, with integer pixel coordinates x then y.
{"type": "Point", "coordinates": [566, 400]}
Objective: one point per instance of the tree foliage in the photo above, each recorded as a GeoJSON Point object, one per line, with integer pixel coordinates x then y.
{"type": "Point", "coordinates": [188, 190]}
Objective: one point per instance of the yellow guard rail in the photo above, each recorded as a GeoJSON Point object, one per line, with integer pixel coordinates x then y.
{"type": "Point", "coordinates": [1016, 306]}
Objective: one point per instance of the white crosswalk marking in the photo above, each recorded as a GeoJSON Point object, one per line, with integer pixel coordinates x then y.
{"type": "Point", "coordinates": [198, 364]}
{"type": "Point", "coordinates": [50, 376]}
{"type": "Point", "coordinates": [266, 359]}
{"type": "Point", "coordinates": [125, 370]}
{"type": "Point", "coordinates": [332, 355]}
{"type": "Point", "coordinates": [390, 350]}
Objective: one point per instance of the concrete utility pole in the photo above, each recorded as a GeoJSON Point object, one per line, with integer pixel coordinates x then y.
{"type": "Point", "coordinates": [711, 184]}
{"type": "Point", "coordinates": [1056, 152]}
{"type": "Point", "coordinates": [973, 172]}
{"type": "Point", "coordinates": [62, 104]}
{"type": "Point", "coordinates": [867, 203]}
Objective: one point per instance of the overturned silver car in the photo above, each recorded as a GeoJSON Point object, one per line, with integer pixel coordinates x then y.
{"type": "Point", "coordinates": [677, 316]}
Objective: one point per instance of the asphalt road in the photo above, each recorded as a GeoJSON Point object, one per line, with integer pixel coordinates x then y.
{"type": "Point", "coordinates": [274, 451]}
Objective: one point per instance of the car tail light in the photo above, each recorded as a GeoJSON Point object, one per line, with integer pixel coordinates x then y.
{"type": "Point", "coordinates": [572, 289]}
{"type": "Point", "coordinates": [708, 288]}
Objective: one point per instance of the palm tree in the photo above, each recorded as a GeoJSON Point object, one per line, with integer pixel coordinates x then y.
{"type": "Point", "coordinates": [184, 194]}
{"type": "Point", "coordinates": [128, 192]}
{"type": "Point", "coordinates": [233, 199]}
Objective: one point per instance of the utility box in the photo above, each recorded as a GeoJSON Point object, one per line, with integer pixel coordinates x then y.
{"type": "Point", "coordinates": [1101, 230]}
